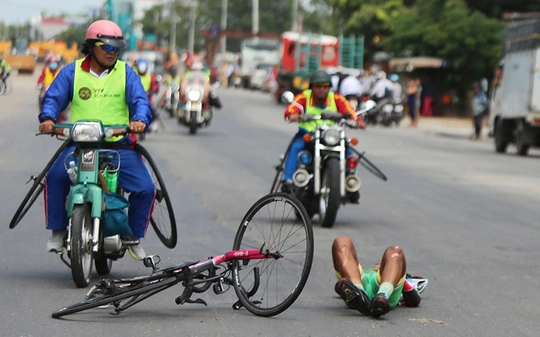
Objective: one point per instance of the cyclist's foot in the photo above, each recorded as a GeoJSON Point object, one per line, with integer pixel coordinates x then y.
{"type": "Point", "coordinates": [353, 297]}
{"type": "Point", "coordinates": [379, 306]}
{"type": "Point", "coordinates": [56, 241]}
{"type": "Point", "coordinates": [137, 252]}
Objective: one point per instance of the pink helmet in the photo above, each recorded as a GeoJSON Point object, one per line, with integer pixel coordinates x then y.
{"type": "Point", "coordinates": [107, 32]}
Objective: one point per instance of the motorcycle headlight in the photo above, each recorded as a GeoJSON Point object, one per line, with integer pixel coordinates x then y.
{"type": "Point", "coordinates": [304, 157]}
{"type": "Point", "coordinates": [194, 95]}
{"type": "Point", "coordinates": [331, 137]}
{"type": "Point", "coordinates": [87, 132]}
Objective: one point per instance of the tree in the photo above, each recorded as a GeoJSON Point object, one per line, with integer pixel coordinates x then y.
{"type": "Point", "coordinates": [471, 42]}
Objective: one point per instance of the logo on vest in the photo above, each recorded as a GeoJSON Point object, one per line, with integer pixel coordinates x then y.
{"type": "Point", "coordinates": [85, 93]}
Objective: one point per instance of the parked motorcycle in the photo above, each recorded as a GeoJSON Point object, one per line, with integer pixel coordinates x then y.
{"type": "Point", "coordinates": [198, 110]}
{"type": "Point", "coordinates": [327, 175]}
{"type": "Point", "coordinates": [98, 232]}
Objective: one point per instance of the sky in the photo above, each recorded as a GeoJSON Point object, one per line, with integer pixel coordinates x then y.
{"type": "Point", "coordinates": [21, 11]}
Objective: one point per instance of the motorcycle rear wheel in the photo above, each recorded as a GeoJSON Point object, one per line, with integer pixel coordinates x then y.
{"type": "Point", "coordinates": [330, 195]}
{"type": "Point", "coordinates": [81, 253]}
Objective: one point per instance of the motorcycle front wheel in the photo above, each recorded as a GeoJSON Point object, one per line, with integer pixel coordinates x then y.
{"type": "Point", "coordinates": [81, 253]}
{"type": "Point", "coordinates": [329, 194]}
{"type": "Point", "coordinates": [193, 123]}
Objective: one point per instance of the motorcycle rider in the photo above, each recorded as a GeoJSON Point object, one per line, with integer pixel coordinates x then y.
{"type": "Point", "coordinates": [150, 85]}
{"type": "Point", "coordinates": [382, 89]}
{"type": "Point", "coordinates": [348, 86]}
{"type": "Point", "coordinates": [117, 97]}
{"type": "Point", "coordinates": [5, 69]}
{"type": "Point", "coordinates": [314, 100]}
{"type": "Point", "coordinates": [199, 75]}
{"type": "Point", "coordinates": [170, 80]}
{"type": "Point", "coordinates": [47, 76]}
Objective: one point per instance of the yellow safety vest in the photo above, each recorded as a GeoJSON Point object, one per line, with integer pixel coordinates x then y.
{"type": "Point", "coordinates": [313, 110]}
{"type": "Point", "coordinates": [103, 99]}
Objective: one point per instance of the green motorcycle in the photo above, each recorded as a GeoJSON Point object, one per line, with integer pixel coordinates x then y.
{"type": "Point", "coordinates": [96, 207]}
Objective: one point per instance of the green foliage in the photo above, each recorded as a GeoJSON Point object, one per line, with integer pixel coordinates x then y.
{"type": "Point", "coordinates": [467, 38]}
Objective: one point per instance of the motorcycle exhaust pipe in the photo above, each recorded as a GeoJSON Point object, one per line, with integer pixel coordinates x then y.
{"type": "Point", "coordinates": [112, 244]}
{"type": "Point", "coordinates": [352, 183]}
{"type": "Point", "coordinates": [301, 177]}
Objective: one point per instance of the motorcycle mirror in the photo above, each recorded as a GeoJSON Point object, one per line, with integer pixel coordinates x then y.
{"type": "Point", "coordinates": [288, 96]}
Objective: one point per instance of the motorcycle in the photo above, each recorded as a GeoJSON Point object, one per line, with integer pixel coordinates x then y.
{"type": "Point", "coordinates": [171, 99]}
{"type": "Point", "coordinates": [327, 176]}
{"type": "Point", "coordinates": [97, 231]}
{"type": "Point", "coordinates": [198, 110]}
{"type": "Point", "coordinates": [392, 113]}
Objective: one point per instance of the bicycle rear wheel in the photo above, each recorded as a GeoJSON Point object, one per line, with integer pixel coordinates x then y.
{"type": "Point", "coordinates": [113, 292]}
{"type": "Point", "coordinates": [277, 222]}
{"type": "Point", "coordinates": [162, 220]}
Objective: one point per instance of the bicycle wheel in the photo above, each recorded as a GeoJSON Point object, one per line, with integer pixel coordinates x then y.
{"type": "Point", "coordinates": [162, 220]}
{"type": "Point", "coordinates": [35, 190]}
{"type": "Point", "coordinates": [279, 223]}
{"type": "Point", "coordinates": [112, 292]}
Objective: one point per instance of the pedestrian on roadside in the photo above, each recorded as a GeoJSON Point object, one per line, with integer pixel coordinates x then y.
{"type": "Point", "coordinates": [479, 105]}
{"type": "Point", "coordinates": [413, 98]}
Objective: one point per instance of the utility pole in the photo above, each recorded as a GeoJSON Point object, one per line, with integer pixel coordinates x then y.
{"type": "Point", "coordinates": [223, 38]}
{"type": "Point", "coordinates": [192, 19]}
{"type": "Point", "coordinates": [255, 17]}
{"type": "Point", "coordinates": [295, 16]}
{"type": "Point", "coordinates": [174, 19]}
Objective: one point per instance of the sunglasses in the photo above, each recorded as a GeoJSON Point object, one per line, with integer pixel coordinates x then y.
{"type": "Point", "coordinates": [321, 86]}
{"type": "Point", "coordinates": [107, 47]}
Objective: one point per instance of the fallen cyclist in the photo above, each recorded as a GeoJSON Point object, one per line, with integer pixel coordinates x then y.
{"type": "Point", "coordinates": [373, 291]}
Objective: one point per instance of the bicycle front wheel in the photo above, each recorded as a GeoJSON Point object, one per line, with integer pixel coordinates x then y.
{"type": "Point", "coordinates": [279, 223]}
{"type": "Point", "coordinates": [36, 189]}
{"type": "Point", "coordinates": [113, 292]}
{"type": "Point", "coordinates": [162, 220]}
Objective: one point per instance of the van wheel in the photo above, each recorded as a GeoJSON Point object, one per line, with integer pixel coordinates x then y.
{"type": "Point", "coordinates": [500, 142]}
{"type": "Point", "coordinates": [521, 145]}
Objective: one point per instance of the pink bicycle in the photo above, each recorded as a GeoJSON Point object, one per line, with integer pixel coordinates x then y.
{"type": "Point", "coordinates": [268, 266]}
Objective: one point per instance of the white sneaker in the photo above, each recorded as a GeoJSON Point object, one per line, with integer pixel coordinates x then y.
{"type": "Point", "coordinates": [137, 252]}
{"type": "Point", "coordinates": [56, 241]}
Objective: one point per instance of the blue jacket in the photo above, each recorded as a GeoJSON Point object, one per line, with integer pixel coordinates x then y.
{"type": "Point", "coordinates": [60, 94]}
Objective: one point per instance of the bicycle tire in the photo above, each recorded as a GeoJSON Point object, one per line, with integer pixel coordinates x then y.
{"type": "Point", "coordinates": [133, 289]}
{"type": "Point", "coordinates": [35, 190]}
{"type": "Point", "coordinates": [163, 215]}
{"type": "Point", "coordinates": [368, 165]}
{"type": "Point", "coordinates": [267, 287]}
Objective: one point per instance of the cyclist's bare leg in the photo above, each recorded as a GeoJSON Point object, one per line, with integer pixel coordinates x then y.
{"type": "Point", "coordinates": [345, 259]}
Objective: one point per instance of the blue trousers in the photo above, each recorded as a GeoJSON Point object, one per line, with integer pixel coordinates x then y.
{"type": "Point", "coordinates": [291, 162]}
{"type": "Point", "coordinates": [133, 176]}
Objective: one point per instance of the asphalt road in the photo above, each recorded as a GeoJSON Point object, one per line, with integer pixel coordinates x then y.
{"type": "Point", "coordinates": [465, 216]}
